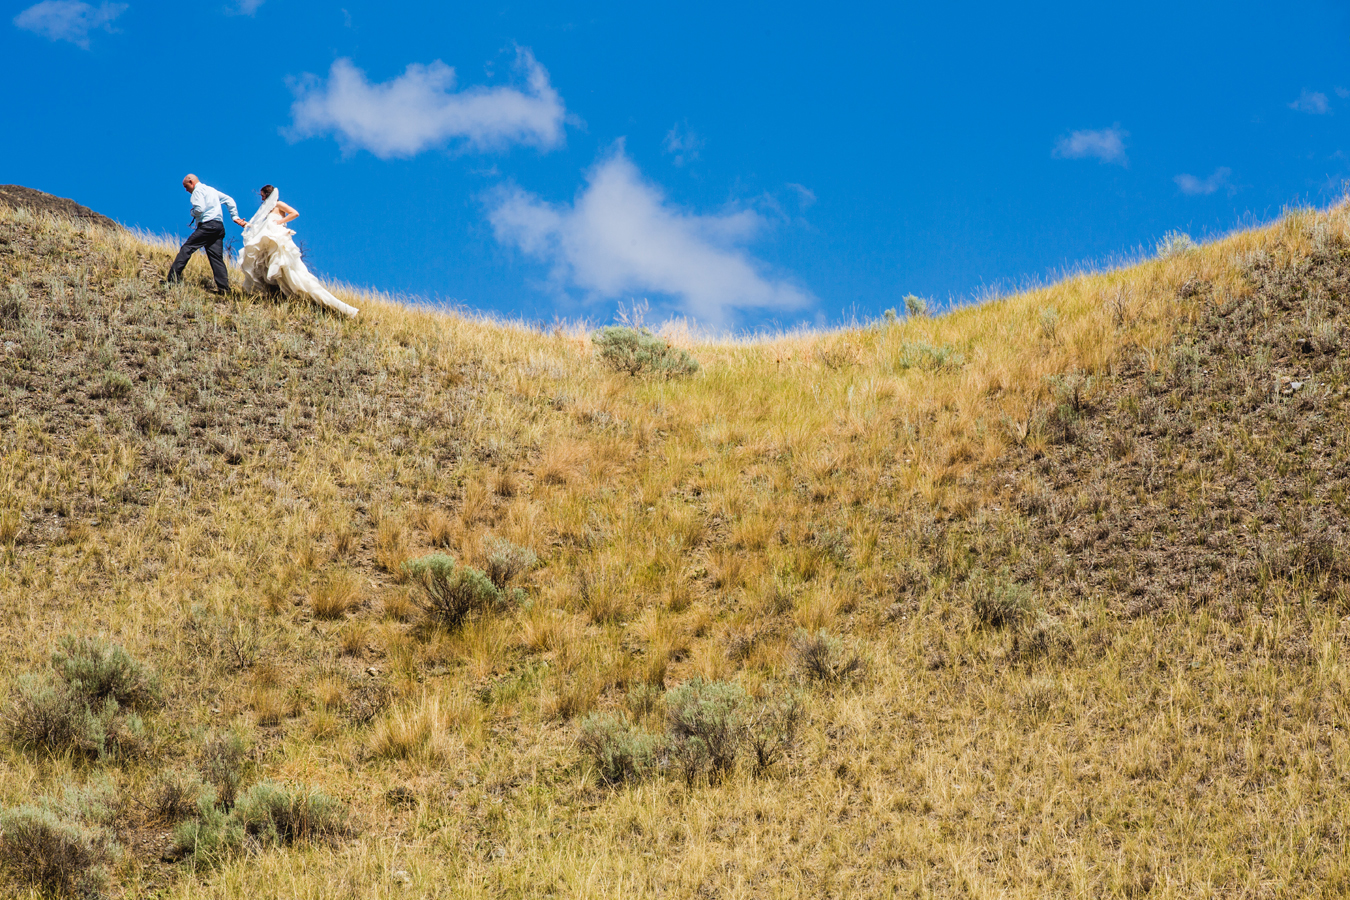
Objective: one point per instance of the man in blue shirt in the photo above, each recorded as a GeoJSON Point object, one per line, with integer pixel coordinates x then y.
{"type": "Point", "coordinates": [209, 234]}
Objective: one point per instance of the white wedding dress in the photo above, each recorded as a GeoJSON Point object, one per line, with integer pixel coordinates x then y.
{"type": "Point", "coordinates": [270, 257]}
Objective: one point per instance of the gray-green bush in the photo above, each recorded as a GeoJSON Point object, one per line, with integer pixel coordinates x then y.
{"type": "Point", "coordinates": [113, 386]}
{"type": "Point", "coordinates": [451, 592]}
{"type": "Point", "coordinates": [825, 658]}
{"type": "Point", "coordinates": [210, 837]}
{"type": "Point", "coordinates": [922, 355]}
{"type": "Point", "coordinates": [222, 765]}
{"type": "Point", "coordinates": [706, 721]}
{"type": "Point", "coordinates": [506, 562]}
{"type": "Point", "coordinates": [82, 705]}
{"type": "Point", "coordinates": [1175, 243]}
{"type": "Point", "coordinates": [636, 351]}
{"type": "Point", "coordinates": [1000, 602]}
{"type": "Point", "coordinates": [174, 794]}
{"type": "Point", "coordinates": [771, 726]}
{"type": "Point", "coordinates": [275, 814]}
{"type": "Point", "coordinates": [99, 670]}
{"type": "Point", "coordinates": [708, 725]}
{"type": "Point", "coordinates": [64, 846]}
{"type": "Point", "coordinates": [47, 714]}
{"type": "Point", "coordinates": [12, 303]}
{"type": "Point", "coordinates": [267, 813]}
{"type": "Point", "coordinates": [619, 751]}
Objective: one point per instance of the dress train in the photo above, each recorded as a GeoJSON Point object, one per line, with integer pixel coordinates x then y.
{"type": "Point", "coordinates": [270, 257]}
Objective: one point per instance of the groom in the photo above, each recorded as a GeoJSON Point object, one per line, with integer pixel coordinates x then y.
{"type": "Point", "coordinates": [209, 233]}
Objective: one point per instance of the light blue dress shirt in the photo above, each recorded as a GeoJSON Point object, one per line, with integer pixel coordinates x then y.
{"type": "Point", "coordinates": [206, 202]}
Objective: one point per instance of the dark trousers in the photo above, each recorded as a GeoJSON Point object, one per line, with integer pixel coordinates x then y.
{"type": "Point", "coordinates": [209, 236]}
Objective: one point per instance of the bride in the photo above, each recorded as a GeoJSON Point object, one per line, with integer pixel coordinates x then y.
{"type": "Point", "coordinates": [270, 258]}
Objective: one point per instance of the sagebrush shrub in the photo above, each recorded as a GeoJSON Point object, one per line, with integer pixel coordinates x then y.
{"type": "Point", "coordinates": [81, 705]}
{"type": "Point", "coordinates": [771, 728]}
{"type": "Point", "coordinates": [1042, 635]}
{"type": "Point", "coordinates": [99, 670]}
{"type": "Point", "coordinates": [823, 657]}
{"type": "Point", "coordinates": [708, 724]}
{"type": "Point", "coordinates": [275, 814]}
{"type": "Point", "coordinates": [210, 837]}
{"type": "Point", "coordinates": [916, 306]}
{"type": "Point", "coordinates": [174, 794]}
{"type": "Point", "coordinates": [62, 847]}
{"type": "Point", "coordinates": [1175, 243]}
{"type": "Point", "coordinates": [620, 751]}
{"type": "Point", "coordinates": [636, 351]}
{"type": "Point", "coordinates": [113, 386]}
{"type": "Point", "coordinates": [1000, 602]}
{"type": "Point", "coordinates": [48, 715]}
{"type": "Point", "coordinates": [507, 562]}
{"type": "Point", "coordinates": [12, 303]}
{"type": "Point", "coordinates": [222, 765]}
{"type": "Point", "coordinates": [706, 721]}
{"type": "Point", "coordinates": [267, 813]}
{"type": "Point", "coordinates": [451, 592]}
{"type": "Point", "coordinates": [922, 355]}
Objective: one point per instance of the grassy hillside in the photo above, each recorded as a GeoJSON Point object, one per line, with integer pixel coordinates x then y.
{"type": "Point", "coordinates": [1052, 588]}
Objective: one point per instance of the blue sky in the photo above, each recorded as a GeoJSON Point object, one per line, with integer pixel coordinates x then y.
{"type": "Point", "coordinates": [752, 165]}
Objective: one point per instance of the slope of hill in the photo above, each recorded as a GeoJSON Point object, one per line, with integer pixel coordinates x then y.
{"type": "Point", "coordinates": [16, 196]}
{"type": "Point", "coordinates": [1057, 583]}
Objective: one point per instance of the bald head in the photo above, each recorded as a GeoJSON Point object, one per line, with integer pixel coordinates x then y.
{"type": "Point", "coordinates": [190, 182]}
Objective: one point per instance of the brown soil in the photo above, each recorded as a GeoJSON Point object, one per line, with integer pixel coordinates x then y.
{"type": "Point", "coordinates": [1201, 475]}
{"type": "Point", "coordinates": [20, 197]}
{"type": "Point", "coordinates": [184, 378]}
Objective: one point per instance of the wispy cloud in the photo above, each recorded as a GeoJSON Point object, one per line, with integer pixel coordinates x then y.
{"type": "Point", "coordinates": [68, 20]}
{"type": "Point", "coordinates": [806, 198]}
{"type": "Point", "coordinates": [245, 7]}
{"type": "Point", "coordinates": [682, 144]}
{"type": "Point", "coordinates": [1312, 102]}
{"type": "Point", "coordinates": [1106, 145]}
{"type": "Point", "coordinates": [1193, 186]}
{"type": "Point", "coordinates": [421, 109]}
{"type": "Point", "coordinates": [621, 237]}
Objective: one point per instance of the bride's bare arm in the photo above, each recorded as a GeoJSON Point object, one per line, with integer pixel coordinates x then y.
{"type": "Point", "coordinates": [287, 213]}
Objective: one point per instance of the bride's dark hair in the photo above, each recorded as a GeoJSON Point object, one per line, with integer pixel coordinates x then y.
{"type": "Point", "coordinates": [265, 191]}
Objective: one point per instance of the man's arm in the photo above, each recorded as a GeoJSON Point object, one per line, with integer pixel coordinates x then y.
{"type": "Point", "coordinates": [234, 210]}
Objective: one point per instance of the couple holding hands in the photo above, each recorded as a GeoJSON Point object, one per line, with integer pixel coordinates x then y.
{"type": "Point", "coordinates": [270, 260]}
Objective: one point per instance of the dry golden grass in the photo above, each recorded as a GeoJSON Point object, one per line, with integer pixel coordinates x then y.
{"type": "Point", "coordinates": [852, 481]}
{"type": "Point", "coordinates": [441, 529]}
{"type": "Point", "coordinates": [353, 637]}
{"type": "Point", "coordinates": [427, 728]}
{"type": "Point", "coordinates": [335, 595]}
{"type": "Point", "coordinates": [397, 605]}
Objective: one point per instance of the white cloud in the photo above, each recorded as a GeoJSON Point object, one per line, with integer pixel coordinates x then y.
{"type": "Point", "coordinates": [421, 109]}
{"type": "Point", "coordinates": [68, 20]}
{"type": "Point", "coordinates": [1193, 186]}
{"type": "Point", "coordinates": [246, 7]}
{"type": "Point", "coordinates": [682, 144]}
{"type": "Point", "coordinates": [1106, 145]}
{"type": "Point", "coordinates": [806, 198]}
{"type": "Point", "coordinates": [1312, 102]}
{"type": "Point", "coordinates": [1343, 93]}
{"type": "Point", "coordinates": [621, 237]}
